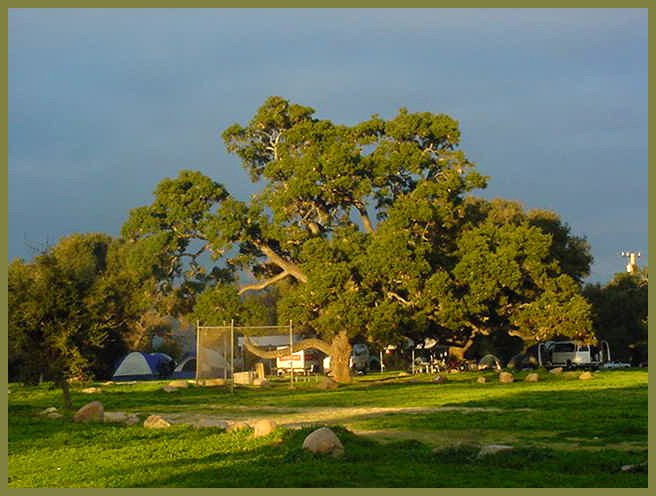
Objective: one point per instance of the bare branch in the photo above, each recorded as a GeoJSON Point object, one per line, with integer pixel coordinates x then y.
{"type": "Point", "coordinates": [305, 344]}
{"type": "Point", "coordinates": [285, 265]}
{"type": "Point", "coordinates": [263, 284]}
{"type": "Point", "coordinates": [399, 298]}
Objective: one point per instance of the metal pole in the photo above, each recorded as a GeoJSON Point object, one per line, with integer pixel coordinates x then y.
{"type": "Point", "coordinates": [232, 355]}
{"type": "Point", "coordinates": [225, 349]}
{"type": "Point", "coordinates": [413, 361]}
{"type": "Point", "coordinates": [197, 347]}
{"type": "Point", "coordinates": [291, 356]}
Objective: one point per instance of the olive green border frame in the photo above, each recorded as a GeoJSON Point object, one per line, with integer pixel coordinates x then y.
{"type": "Point", "coordinates": [650, 5]}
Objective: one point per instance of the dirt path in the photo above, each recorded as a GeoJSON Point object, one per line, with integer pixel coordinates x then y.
{"type": "Point", "coordinates": [294, 418]}
{"type": "Point", "coordinates": [299, 417]}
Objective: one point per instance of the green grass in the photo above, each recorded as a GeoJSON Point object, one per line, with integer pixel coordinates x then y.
{"type": "Point", "coordinates": [566, 433]}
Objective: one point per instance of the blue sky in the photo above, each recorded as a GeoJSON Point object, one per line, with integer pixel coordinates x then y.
{"type": "Point", "coordinates": [103, 104]}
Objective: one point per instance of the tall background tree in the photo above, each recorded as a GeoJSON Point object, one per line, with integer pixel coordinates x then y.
{"type": "Point", "coordinates": [75, 309]}
{"type": "Point", "coordinates": [620, 314]}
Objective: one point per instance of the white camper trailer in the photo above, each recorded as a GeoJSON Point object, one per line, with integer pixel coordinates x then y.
{"type": "Point", "coordinates": [570, 354]}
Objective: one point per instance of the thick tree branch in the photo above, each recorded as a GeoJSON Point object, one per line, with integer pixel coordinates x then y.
{"type": "Point", "coordinates": [399, 298]}
{"type": "Point", "coordinates": [305, 344]}
{"type": "Point", "coordinates": [263, 284]}
{"type": "Point", "coordinates": [287, 266]}
{"type": "Point", "coordinates": [366, 221]}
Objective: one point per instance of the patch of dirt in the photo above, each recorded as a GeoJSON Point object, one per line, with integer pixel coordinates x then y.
{"type": "Point", "coordinates": [299, 417]}
{"type": "Point", "coordinates": [294, 418]}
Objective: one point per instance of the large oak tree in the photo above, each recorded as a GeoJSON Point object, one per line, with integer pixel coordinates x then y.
{"type": "Point", "coordinates": [371, 227]}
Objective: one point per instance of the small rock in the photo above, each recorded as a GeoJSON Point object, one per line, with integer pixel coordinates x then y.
{"type": "Point", "coordinates": [91, 412]}
{"type": "Point", "coordinates": [238, 426]}
{"type": "Point", "coordinates": [403, 374]}
{"type": "Point", "coordinates": [211, 382]}
{"type": "Point", "coordinates": [481, 380]}
{"type": "Point", "coordinates": [91, 390]}
{"type": "Point", "coordinates": [132, 419]}
{"type": "Point", "coordinates": [533, 377]}
{"type": "Point", "coordinates": [640, 467]}
{"type": "Point", "coordinates": [156, 422]}
{"type": "Point", "coordinates": [440, 379]}
{"type": "Point", "coordinates": [205, 422]}
{"type": "Point", "coordinates": [557, 370]}
{"type": "Point", "coordinates": [264, 427]}
{"type": "Point", "coordinates": [50, 409]}
{"type": "Point", "coordinates": [54, 415]}
{"type": "Point", "coordinates": [180, 384]}
{"type": "Point", "coordinates": [506, 377]}
{"type": "Point", "coordinates": [491, 449]}
{"type": "Point", "coordinates": [587, 375]}
{"type": "Point", "coordinates": [169, 389]}
{"type": "Point", "coordinates": [323, 441]}
{"type": "Point", "coordinates": [327, 383]}
{"type": "Point", "coordinates": [115, 417]}
{"type": "Point", "coordinates": [260, 382]}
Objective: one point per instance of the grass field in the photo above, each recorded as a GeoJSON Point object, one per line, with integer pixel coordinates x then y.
{"type": "Point", "coordinates": [397, 432]}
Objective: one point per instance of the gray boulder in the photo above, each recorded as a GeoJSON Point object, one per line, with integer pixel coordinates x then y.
{"type": "Point", "coordinates": [323, 441]}
{"type": "Point", "coordinates": [91, 412]}
{"type": "Point", "coordinates": [263, 427]}
{"type": "Point", "coordinates": [506, 377]}
{"type": "Point", "coordinates": [238, 426]}
{"type": "Point", "coordinates": [492, 449]}
{"type": "Point", "coordinates": [156, 422]}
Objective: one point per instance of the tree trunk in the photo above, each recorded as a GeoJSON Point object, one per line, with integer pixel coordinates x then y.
{"type": "Point", "coordinates": [66, 390]}
{"type": "Point", "coordinates": [340, 353]}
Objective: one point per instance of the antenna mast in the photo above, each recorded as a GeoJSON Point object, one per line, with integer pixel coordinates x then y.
{"type": "Point", "coordinates": [632, 256]}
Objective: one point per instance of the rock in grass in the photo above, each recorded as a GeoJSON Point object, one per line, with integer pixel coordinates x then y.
{"type": "Point", "coordinates": [260, 381]}
{"type": "Point", "coordinates": [264, 427]}
{"type": "Point", "coordinates": [50, 409]}
{"type": "Point", "coordinates": [115, 417]}
{"type": "Point", "coordinates": [91, 390]}
{"type": "Point", "coordinates": [557, 370]}
{"type": "Point", "coordinates": [156, 422]}
{"type": "Point", "coordinates": [179, 384]}
{"type": "Point", "coordinates": [204, 422]}
{"type": "Point", "coordinates": [440, 379]}
{"type": "Point", "coordinates": [169, 389]}
{"type": "Point", "coordinates": [640, 467]}
{"type": "Point", "coordinates": [211, 382]}
{"type": "Point", "coordinates": [585, 376]}
{"type": "Point", "coordinates": [121, 418]}
{"type": "Point", "coordinates": [238, 426]}
{"type": "Point", "coordinates": [506, 377]}
{"type": "Point", "coordinates": [91, 412]}
{"type": "Point", "coordinates": [481, 380]}
{"type": "Point", "coordinates": [403, 374]}
{"type": "Point", "coordinates": [532, 377]}
{"type": "Point", "coordinates": [327, 383]}
{"type": "Point", "coordinates": [323, 441]}
{"type": "Point", "coordinates": [492, 449]}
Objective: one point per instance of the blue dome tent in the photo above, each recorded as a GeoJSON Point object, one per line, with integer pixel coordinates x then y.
{"type": "Point", "coordinates": [139, 366]}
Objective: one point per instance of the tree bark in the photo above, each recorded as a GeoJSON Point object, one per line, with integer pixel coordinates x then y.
{"type": "Point", "coordinates": [287, 266]}
{"type": "Point", "coordinates": [340, 353]}
{"type": "Point", "coordinates": [305, 344]}
{"type": "Point", "coordinates": [66, 391]}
